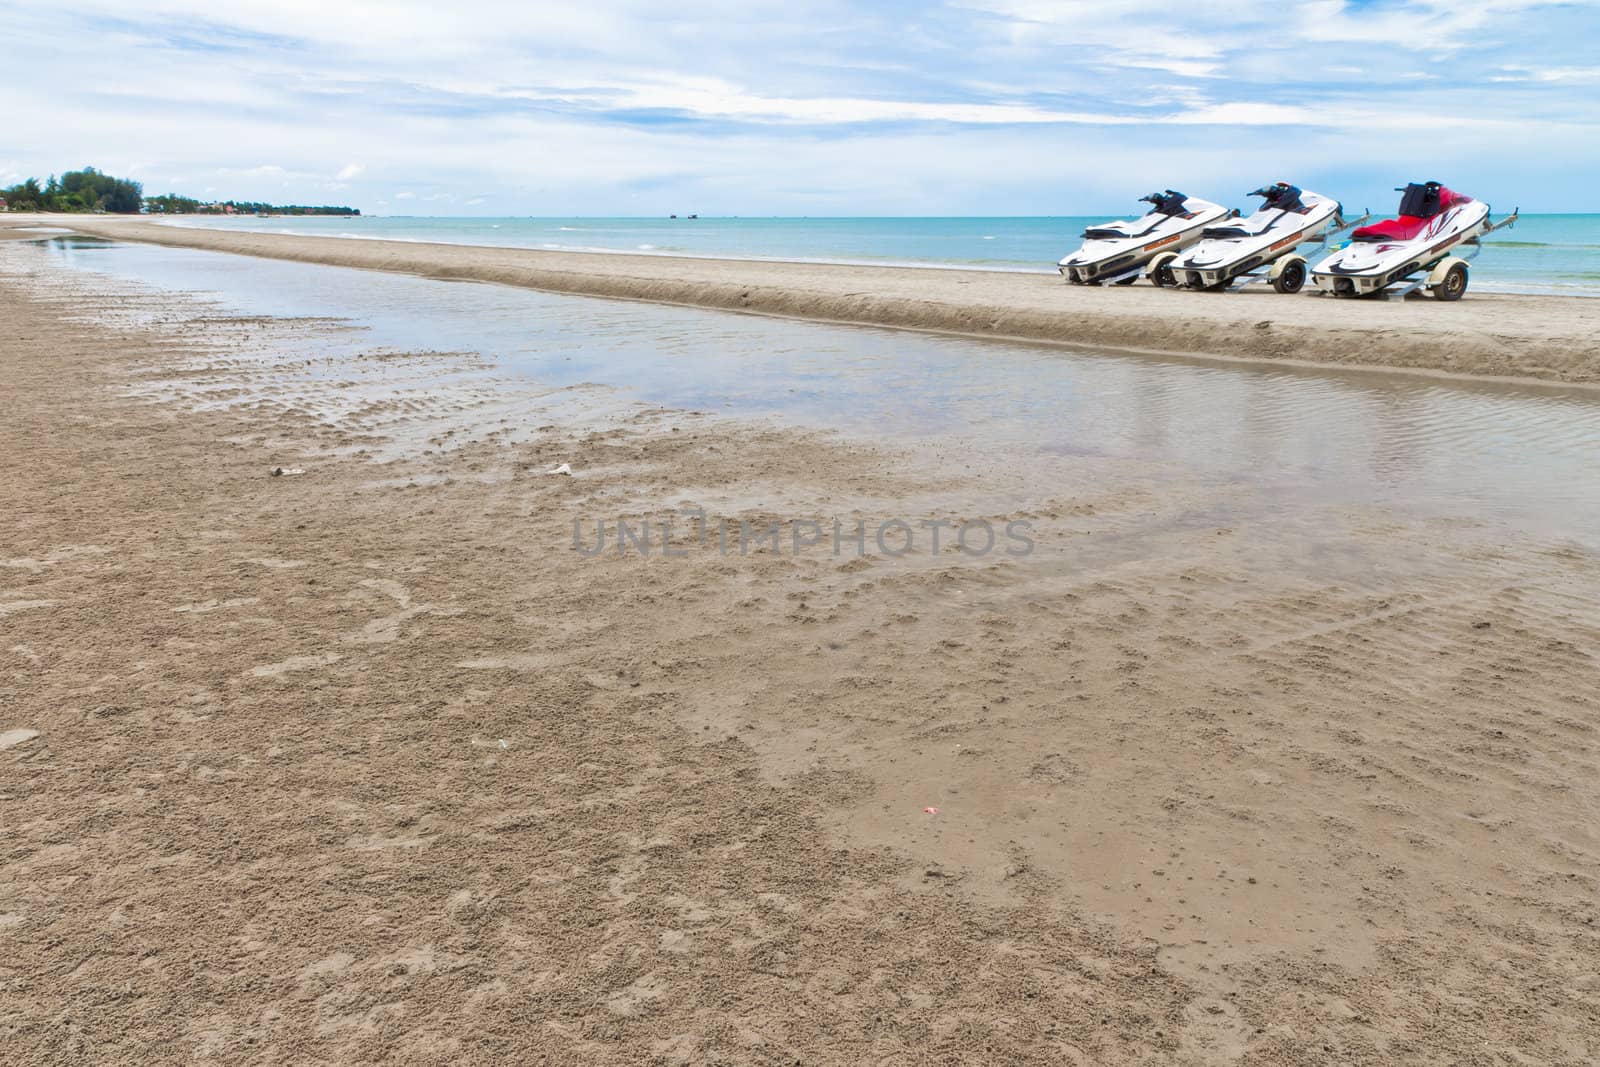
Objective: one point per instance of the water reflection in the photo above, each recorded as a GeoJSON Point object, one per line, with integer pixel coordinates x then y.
{"type": "Point", "coordinates": [1526, 454]}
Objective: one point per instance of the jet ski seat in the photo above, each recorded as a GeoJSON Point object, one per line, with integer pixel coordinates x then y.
{"type": "Point", "coordinates": [1420, 203]}
{"type": "Point", "coordinates": [1111, 231]}
{"type": "Point", "coordinates": [1165, 205]}
{"type": "Point", "coordinates": [1278, 199]}
{"type": "Point", "coordinates": [1169, 204]}
{"type": "Point", "coordinates": [1257, 223]}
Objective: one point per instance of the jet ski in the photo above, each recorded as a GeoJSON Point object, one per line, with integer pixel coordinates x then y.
{"type": "Point", "coordinates": [1118, 251]}
{"type": "Point", "coordinates": [1239, 247]}
{"type": "Point", "coordinates": [1433, 222]}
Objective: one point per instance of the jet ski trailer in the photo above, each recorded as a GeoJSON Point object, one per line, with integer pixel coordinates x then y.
{"type": "Point", "coordinates": [1263, 247]}
{"type": "Point", "coordinates": [1116, 253]}
{"type": "Point", "coordinates": [1428, 244]}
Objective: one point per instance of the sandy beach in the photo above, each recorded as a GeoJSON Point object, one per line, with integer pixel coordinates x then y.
{"type": "Point", "coordinates": [367, 763]}
{"type": "Point", "coordinates": [1537, 337]}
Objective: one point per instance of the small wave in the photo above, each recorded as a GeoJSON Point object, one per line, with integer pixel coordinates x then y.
{"type": "Point", "coordinates": [1563, 286]}
{"type": "Point", "coordinates": [988, 237]}
{"type": "Point", "coordinates": [567, 229]}
{"type": "Point", "coordinates": [645, 248]}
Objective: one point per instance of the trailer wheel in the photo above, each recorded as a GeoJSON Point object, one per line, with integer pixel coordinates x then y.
{"type": "Point", "coordinates": [1453, 286]}
{"type": "Point", "coordinates": [1160, 272]}
{"type": "Point", "coordinates": [1291, 278]}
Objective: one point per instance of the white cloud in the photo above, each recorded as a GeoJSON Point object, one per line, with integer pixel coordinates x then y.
{"type": "Point", "coordinates": [1416, 26]}
{"type": "Point", "coordinates": [1552, 75]}
{"type": "Point", "coordinates": [265, 170]}
{"type": "Point", "coordinates": [758, 106]}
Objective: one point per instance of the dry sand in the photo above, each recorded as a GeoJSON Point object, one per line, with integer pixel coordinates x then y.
{"type": "Point", "coordinates": [367, 764]}
{"type": "Point", "coordinates": [1549, 338]}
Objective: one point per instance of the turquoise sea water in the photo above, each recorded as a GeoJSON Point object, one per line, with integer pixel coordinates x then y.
{"type": "Point", "coordinates": [1542, 253]}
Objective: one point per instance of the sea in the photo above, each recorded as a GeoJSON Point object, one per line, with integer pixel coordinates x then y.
{"type": "Point", "coordinates": [1549, 254]}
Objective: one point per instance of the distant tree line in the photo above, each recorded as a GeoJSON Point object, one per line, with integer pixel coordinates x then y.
{"type": "Point", "coordinates": [90, 190]}
{"type": "Point", "coordinates": [180, 205]}
{"type": "Point", "coordinates": [76, 190]}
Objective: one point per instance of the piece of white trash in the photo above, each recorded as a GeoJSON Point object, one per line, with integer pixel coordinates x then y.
{"type": "Point", "coordinates": [565, 468]}
{"type": "Point", "coordinates": [279, 472]}
{"type": "Point", "coordinates": [503, 743]}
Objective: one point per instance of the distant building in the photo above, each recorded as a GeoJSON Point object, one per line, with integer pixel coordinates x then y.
{"type": "Point", "coordinates": [3, 206]}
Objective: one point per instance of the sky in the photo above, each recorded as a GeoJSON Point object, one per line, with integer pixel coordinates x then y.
{"type": "Point", "coordinates": [772, 107]}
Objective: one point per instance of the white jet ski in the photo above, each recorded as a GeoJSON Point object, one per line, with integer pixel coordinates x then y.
{"type": "Point", "coordinates": [1240, 247]}
{"type": "Point", "coordinates": [1117, 252]}
{"type": "Point", "coordinates": [1433, 222]}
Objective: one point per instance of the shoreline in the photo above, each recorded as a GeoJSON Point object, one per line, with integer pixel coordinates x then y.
{"type": "Point", "coordinates": [1037, 267]}
{"type": "Point", "coordinates": [1500, 336]}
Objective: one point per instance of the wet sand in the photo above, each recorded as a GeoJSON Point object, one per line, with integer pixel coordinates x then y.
{"type": "Point", "coordinates": [1539, 337]}
{"type": "Point", "coordinates": [368, 763]}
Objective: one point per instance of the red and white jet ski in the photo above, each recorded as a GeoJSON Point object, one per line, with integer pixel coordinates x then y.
{"type": "Point", "coordinates": [1433, 223]}
{"type": "Point", "coordinates": [1117, 252]}
{"type": "Point", "coordinates": [1262, 246]}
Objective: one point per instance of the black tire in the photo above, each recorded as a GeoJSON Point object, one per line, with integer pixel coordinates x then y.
{"type": "Point", "coordinates": [1291, 279]}
{"type": "Point", "coordinates": [1454, 286]}
{"type": "Point", "coordinates": [1163, 278]}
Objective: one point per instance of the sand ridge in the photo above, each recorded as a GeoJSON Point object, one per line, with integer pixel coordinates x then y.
{"type": "Point", "coordinates": [1532, 337]}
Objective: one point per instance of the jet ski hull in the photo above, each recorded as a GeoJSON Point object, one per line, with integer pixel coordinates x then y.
{"type": "Point", "coordinates": [1103, 259]}
{"type": "Point", "coordinates": [1215, 261]}
{"type": "Point", "coordinates": [1366, 268]}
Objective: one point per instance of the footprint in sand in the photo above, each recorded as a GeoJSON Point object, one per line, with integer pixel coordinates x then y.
{"type": "Point", "coordinates": [295, 663]}
{"type": "Point", "coordinates": [216, 605]}
{"type": "Point", "coordinates": [277, 564]}
{"type": "Point", "coordinates": [60, 555]}
{"type": "Point", "coordinates": [328, 965]}
{"type": "Point", "coordinates": [524, 661]}
{"type": "Point", "coordinates": [13, 738]}
{"type": "Point", "coordinates": [11, 607]}
{"type": "Point", "coordinates": [387, 629]}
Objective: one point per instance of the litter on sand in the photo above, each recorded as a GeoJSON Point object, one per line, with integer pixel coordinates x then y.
{"type": "Point", "coordinates": [565, 468]}
{"type": "Point", "coordinates": [280, 472]}
{"type": "Point", "coordinates": [930, 811]}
